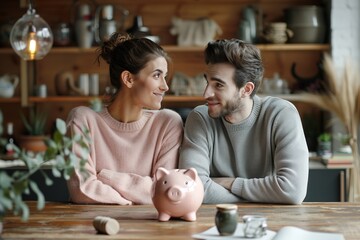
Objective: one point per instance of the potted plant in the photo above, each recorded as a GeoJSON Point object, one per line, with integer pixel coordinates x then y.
{"type": "Point", "coordinates": [59, 157]}
{"type": "Point", "coordinates": [324, 145]}
{"type": "Point", "coordinates": [34, 137]}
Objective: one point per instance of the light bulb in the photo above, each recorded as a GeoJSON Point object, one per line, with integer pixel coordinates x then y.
{"type": "Point", "coordinates": [31, 37]}
{"type": "Point", "coordinates": [32, 42]}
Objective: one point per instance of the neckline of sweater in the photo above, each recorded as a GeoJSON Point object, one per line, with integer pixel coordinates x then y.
{"type": "Point", "coordinates": [131, 126]}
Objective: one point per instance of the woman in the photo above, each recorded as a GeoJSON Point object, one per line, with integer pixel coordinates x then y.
{"type": "Point", "coordinates": [131, 137]}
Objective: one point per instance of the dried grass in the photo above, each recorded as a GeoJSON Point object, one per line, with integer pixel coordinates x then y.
{"type": "Point", "coordinates": [342, 98]}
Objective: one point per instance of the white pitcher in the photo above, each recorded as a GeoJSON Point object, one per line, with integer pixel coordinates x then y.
{"type": "Point", "coordinates": [8, 83]}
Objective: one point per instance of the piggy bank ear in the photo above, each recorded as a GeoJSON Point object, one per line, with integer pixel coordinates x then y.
{"type": "Point", "coordinates": [192, 173]}
{"type": "Point", "coordinates": [160, 172]}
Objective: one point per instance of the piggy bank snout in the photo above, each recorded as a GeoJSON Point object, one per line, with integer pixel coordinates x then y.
{"type": "Point", "coordinates": [175, 193]}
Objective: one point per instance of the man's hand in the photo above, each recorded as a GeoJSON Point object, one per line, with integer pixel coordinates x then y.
{"type": "Point", "coordinates": [224, 181]}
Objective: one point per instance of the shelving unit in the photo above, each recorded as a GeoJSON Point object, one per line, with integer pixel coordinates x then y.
{"type": "Point", "coordinates": [169, 100]}
{"type": "Point", "coordinates": [175, 48]}
{"type": "Point", "coordinates": [157, 16]}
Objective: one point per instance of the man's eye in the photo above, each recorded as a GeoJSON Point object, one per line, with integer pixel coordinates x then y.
{"type": "Point", "coordinates": [218, 85]}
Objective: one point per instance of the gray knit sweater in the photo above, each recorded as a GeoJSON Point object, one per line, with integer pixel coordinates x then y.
{"type": "Point", "coordinates": [266, 153]}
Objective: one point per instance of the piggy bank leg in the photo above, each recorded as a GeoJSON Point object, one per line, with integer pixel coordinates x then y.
{"type": "Point", "coordinates": [163, 217]}
{"type": "Point", "coordinates": [191, 217]}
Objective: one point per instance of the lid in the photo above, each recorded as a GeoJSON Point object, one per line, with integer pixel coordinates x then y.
{"type": "Point", "coordinates": [226, 206]}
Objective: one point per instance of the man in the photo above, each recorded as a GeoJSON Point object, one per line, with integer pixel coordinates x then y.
{"type": "Point", "coordinates": [245, 148]}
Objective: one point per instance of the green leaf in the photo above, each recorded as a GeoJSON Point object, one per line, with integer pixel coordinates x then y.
{"type": "Point", "coordinates": [13, 187]}
{"type": "Point", "coordinates": [25, 211]}
{"type": "Point", "coordinates": [77, 137]}
{"type": "Point", "coordinates": [56, 172]}
{"type": "Point", "coordinates": [50, 143]}
{"type": "Point", "coordinates": [61, 126]}
{"type": "Point", "coordinates": [60, 161]}
{"type": "Point", "coordinates": [40, 196]}
{"type": "Point", "coordinates": [35, 123]}
{"type": "Point", "coordinates": [5, 180]}
{"type": "Point", "coordinates": [48, 180]}
{"type": "Point", "coordinates": [5, 201]}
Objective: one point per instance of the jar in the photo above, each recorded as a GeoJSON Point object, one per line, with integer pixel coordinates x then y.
{"type": "Point", "coordinates": [226, 219]}
{"type": "Point", "coordinates": [62, 35]}
{"type": "Point", "coordinates": [255, 226]}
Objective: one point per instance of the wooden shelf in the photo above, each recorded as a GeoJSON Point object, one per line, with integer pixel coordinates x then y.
{"type": "Point", "coordinates": [64, 99]}
{"type": "Point", "coordinates": [175, 48]}
{"type": "Point", "coordinates": [6, 50]}
{"type": "Point", "coordinates": [294, 47]}
{"type": "Point", "coordinates": [168, 99]}
{"type": "Point", "coordinates": [10, 100]}
{"type": "Point", "coordinates": [290, 97]}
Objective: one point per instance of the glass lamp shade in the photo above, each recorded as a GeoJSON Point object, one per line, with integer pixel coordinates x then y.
{"type": "Point", "coordinates": [31, 37]}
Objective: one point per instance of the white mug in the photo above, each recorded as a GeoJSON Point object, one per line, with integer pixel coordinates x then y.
{"type": "Point", "coordinates": [84, 83]}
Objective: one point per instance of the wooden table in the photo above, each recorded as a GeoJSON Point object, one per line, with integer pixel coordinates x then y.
{"type": "Point", "coordinates": [70, 221]}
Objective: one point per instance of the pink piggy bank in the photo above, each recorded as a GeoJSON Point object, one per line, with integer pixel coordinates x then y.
{"type": "Point", "coordinates": [177, 193]}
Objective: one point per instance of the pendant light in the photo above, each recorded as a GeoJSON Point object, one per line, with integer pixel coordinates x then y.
{"type": "Point", "coordinates": [31, 37]}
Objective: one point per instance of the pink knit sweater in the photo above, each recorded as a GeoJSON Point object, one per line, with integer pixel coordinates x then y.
{"type": "Point", "coordinates": [124, 156]}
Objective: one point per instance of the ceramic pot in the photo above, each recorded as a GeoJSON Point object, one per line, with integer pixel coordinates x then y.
{"type": "Point", "coordinates": [307, 23]}
{"type": "Point", "coordinates": [65, 84]}
{"type": "Point", "coordinates": [33, 143]}
{"type": "Point", "coordinates": [226, 219]}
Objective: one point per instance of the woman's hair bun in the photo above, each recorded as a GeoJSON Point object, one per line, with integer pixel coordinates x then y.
{"type": "Point", "coordinates": [107, 48]}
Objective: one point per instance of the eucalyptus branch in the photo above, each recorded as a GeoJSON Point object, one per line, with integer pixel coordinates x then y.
{"type": "Point", "coordinates": [58, 150]}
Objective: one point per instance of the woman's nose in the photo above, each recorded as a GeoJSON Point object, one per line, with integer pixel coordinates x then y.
{"type": "Point", "coordinates": [164, 86]}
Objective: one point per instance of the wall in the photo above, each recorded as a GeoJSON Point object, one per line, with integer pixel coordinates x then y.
{"type": "Point", "coordinates": [345, 31]}
{"type": "Point", "coordinates": [345, 39]}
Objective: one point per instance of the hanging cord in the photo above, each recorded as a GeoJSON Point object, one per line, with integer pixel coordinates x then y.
{"type": "Point", "coordinates": [31, 10]}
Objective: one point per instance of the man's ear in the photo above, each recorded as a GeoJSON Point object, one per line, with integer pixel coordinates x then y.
{"type": "Point", "coordinates": [248, 89]}
{"type": "Point", "coordinates": [127, 79]}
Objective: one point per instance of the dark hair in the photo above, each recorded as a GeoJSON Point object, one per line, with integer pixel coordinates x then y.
{"type": "Point", "coordinates": [245, 57]}
{"type": "Point", "coordinates": [123, 52]}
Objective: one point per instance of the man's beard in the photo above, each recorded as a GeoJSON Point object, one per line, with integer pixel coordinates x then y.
{"type": "Point", "coordinates": [231, 106]}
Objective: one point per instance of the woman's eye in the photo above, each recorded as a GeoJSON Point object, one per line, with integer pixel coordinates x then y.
{"type": "Point", "coordinates": [157, 75]}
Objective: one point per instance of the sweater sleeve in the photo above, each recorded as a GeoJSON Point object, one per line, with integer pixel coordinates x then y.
{"type": "Point", "coordinates": [288, 183]}
{"type": "Point", "coordinates": [195, 152]}
{"type": "Point", "coordinates": [90, 189]}
{"type": "Point", "coordinates": [138, 188]}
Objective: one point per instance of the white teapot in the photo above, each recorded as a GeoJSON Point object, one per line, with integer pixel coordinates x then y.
{"type": "Point", "coordinates": [8, 84]}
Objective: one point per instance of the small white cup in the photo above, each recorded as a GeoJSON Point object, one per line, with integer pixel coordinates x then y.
{"type": "Point", "coordinates": [94, 84]}
{"type": "Point", "coordinates": [84, 83]}
{"type": "Point", "coordinates": [41, 91]}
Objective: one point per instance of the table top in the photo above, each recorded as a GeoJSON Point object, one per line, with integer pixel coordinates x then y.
{"type": "Point", "coordinates": [71, 221]}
